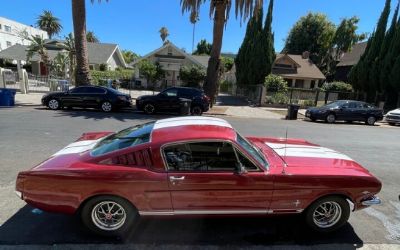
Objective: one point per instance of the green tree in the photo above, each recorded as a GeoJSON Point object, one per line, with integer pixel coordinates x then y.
{"type": "Point", "coordinates": [164, 33]}
{"type": "Point", "coordinates": [59, 64]}
{"type": "Point", "coordinates": [91, 37]}
{"type": "Point", "coordinates": [38, 46]}
{"type": "Point", "coordinates": [129, 56]}
{"type": "Point", "coordinates": [49, 23]}
{"type": "Point", "coordinates": [227, 62]}
{"type": "Point", "coordinates": [346, 35]}
{"type": "Point", "coordinates": [203, 48]}
{"type": "Point", "coordinates": [152, 72]}
{"type": "Point", "coordinates": [275, 83]}
{"type": "Point", "coordinates": [82, 73]}
{"type": "Point", "coordinates": [219, 11]}
{"type": "Point", "coordinates": [313, 33]}
{"type": "Point", "coordinates": [337, 86]}
{"type": "Point", "coordinates": [69, 46]}
{"type": "Point", "coordinates": [192, 76]}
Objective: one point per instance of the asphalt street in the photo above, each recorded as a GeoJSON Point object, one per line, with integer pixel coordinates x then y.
{"type": "Point", "coordinates": [28, 135]}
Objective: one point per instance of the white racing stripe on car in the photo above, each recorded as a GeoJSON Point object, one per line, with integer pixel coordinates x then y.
{"type": "Point", "coordinates": [77, 147]}
{"type": "Point", "coordinates": [187, 121]}
{"type": "Point", "coordinates": [295, 150]}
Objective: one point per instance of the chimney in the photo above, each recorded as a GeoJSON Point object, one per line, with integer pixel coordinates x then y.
{"type": "Point", "coordinates": [305, 55]}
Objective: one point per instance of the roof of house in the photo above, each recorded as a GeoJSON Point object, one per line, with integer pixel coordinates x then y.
{"type": "Point", "coordinates": [305, 68]}
{"type": "Point", "coordinates": [97, 52]}
{"type": "Point", "coordinates": [203, 60]}
{"type": "Point", "coordinates": [353, 56]}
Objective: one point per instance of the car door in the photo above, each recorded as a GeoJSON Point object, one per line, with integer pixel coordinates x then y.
{"type": "Point", "coordinates": [343, 112]}
{"type": "Point", "coordinates": [93, 96]}
{"type": "Point", "coordinates": [204, 179]}
{"type": "Point", "coordinates": [168, 99]}
{"type": "Point", "coordinates": [74, 97]}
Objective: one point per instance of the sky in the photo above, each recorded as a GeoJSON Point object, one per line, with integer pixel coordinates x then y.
{"type": "Point", "coordinates": [134, 24]}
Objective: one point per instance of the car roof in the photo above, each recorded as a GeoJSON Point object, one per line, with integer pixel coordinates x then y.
{"type": "Point", "coordinates": [191, 128]}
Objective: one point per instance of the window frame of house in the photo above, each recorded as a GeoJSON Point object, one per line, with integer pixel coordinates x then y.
{"type": "Point", "coordinates": [7, 28]}
{"type": "Point", "coordinates": [298, 82]}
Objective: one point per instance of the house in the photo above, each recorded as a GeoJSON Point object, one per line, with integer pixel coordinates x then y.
{"type": "Point", "coordinates": [171, 59]}
{"type": "Point", "coordinates": [12, 32]}
{"type": "Point", "coordinates": [98, 53]}
{"type": "Point", "coordinates": [298, 71]}
{"type": "Point", "coordinates": [348, 60]}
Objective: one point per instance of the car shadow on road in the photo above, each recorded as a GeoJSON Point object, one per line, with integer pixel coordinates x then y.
{"type": "Point", "coordinates": [343, 123]}
{"type": "Point", "coordinates": [121, 115]}
{"type": "Point", "coordinates": [29, 226]}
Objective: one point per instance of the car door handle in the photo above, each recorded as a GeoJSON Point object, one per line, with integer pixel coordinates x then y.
{"type": "Point", "coordinates": [174, 178]}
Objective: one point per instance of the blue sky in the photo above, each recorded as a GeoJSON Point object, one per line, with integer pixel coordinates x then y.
{"type": "Point", "coordinates": [134, 24]}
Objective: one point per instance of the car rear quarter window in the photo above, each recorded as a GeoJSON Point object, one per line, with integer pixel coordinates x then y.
{"type": "Point", "coordinates": [129, 137]}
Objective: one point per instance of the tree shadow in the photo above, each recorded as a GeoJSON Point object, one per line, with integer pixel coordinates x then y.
{"type": "Point", "coordinates": [28, 228]}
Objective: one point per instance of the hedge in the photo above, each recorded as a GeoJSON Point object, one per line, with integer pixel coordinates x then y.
{"type": "Point", "coordinates": [98, 76]}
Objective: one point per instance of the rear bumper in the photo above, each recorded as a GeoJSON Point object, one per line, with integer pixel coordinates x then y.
{"type": "Point", "coordinates": [371, 201]}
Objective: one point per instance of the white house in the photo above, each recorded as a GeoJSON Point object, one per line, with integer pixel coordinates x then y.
{"type": "Point", "coordinates": [12, 32]}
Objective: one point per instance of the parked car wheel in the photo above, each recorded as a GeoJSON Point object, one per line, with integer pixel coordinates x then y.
{"type": "Point", "coordinates": [392, 123]}
{"type": "Point", "coordinates": [370, 120]}
{"type": "Point", "coordinates": [196, 110]}
{"type": "Point", "coordinates": [54, 104]}
{"type": "Point", "coordinates": [109, 216]}
{"type": "Point", "coordinates": [106, 106]}
{"type": "Point", "coordinates": [328, 214]}
{"type": "Point", "coordinates": [331, 118]}
{"type": "Point", "coordinates": [149, 108]}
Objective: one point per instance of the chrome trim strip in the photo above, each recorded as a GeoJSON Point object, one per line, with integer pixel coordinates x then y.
{"type": "Point", "coordinates": [372, 201]}
{"type": "Point", "coordinates": [204, 212]}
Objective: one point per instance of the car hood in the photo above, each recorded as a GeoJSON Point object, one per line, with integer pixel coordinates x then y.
{"type": "Point", "coordinates": [394, 112]}
{"type": "Point", "coordinates": [300, 155]}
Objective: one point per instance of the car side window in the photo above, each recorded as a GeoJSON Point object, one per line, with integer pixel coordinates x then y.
{"type": "Point", "coordinates": [171, 92]}
{"type": "Point", "coordinates": [248, 165]}
{"type": "Point", "coordinates": [184, 93]}
{"type": "Point", "coordinates": [353, 105]}
{"type": "Point", "coordinates": [201, 157]}
{"type": "Point", "coordinates": [96, 91]}
{"type": "Point", "coordinates": [77, 90]}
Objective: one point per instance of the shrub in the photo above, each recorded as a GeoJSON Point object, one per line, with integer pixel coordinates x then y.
{"type": "Point", "coordinates": [275, 83]}
{"type": "Point", "coordinates": [308, 103]}
{"type": "Point", "coordinates": [225, 86]}
{"type": "Point", "coordinates": [103, 67]}
{"type": "Point", "coordinates": [279, 98]}
{"type": "Point", "coordinates": [99, 77]}
{"type": "Point", "coordinates": [337, 86]}
{"type": "Point", "coordinates": [192, 76]}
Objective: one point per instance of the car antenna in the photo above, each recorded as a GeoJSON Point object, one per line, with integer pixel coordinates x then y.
{"type": "Point", "coordinates": [284, 153]}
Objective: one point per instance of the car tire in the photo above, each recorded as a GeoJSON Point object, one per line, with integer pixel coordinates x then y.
{"type": "Point", "coordinates": [196, 110]}
{"type": "Point", "coordinates": [349, 122]}
{"type": "Point", "coordinates": [327, 214]}
{"type": "Point", "coordinates": [330, 118]}
{"type": "Point", "coordinates": [106, 106]}
{"type": "Point", "coordinates": [370, 120]}
{"type": "Point", "coordinates": [313, 119]}
{"type": "Point", "coordinates": [54, 104]}
{"type": "Point", "coordinates": [149, 108]}
{"type": "Point", "coordinates": [392, 123]}
{"type": "Point", "coordinates": [109, 216]}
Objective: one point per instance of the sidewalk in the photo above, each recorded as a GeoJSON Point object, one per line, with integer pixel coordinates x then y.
{"type": "Point", "coordinates": [34, 99]}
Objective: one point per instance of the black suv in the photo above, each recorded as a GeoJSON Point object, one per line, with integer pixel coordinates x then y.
{"type": "Point", "coordinates": [170, 99]}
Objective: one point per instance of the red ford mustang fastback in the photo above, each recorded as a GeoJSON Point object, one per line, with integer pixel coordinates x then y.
{"type": "Point", "coordinates": [196, 166]}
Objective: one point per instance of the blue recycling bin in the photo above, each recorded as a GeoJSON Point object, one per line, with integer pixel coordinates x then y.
{"type": "Point", "coordinates": [7, 97]}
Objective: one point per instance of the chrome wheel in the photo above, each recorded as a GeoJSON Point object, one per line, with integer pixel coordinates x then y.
{"type": "Point", "coordinates": [371, 120]}
{"type": "Point", "coordinates": [331, 118]}
{"type": "Point", "coordinates": [54, 104]}
{"type": "Point", "coordinates": [149, 108]}
{"type": "Point", "coordinates": [327, 214]}
{"type": "Point", "coordinates": [108, 215]}
{"type": "Point", "coordinates": [106, 106]}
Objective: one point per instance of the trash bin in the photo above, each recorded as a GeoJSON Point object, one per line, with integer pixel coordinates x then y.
{"type": "Point", "coordinates": [292, 111]}
{"type": "Point", "coordinates": [184, 106]}
{"type": "Point", "coordinates": [7, 97]}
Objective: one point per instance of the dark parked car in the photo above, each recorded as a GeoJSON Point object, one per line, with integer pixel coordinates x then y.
{"type": "Point", "coordinates": [106, 99]}
{"type": "Point", "coordinates": [345, 110]}
{"type": "Point", "coordinates": [170, 99]}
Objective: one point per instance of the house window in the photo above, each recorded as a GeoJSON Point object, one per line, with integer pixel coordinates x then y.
{"type": "Point", "coordinates": [7, 28]}
{"type": "Point", "coordinates": [299, 83]}
{"type": "Point", "coordinates": [288, 81]}
{"type": "Point", "coordinates": [91, 67]}
{"type": "Point", "coordinates": [312, 85]}
{"type": "Point", "coordinates": [8, 43]}
{"type": "Point", "coordinates": [280, 65]}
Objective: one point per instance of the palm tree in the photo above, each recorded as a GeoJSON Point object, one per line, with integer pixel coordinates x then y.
{"type": "Point", "coordinates": [37, 46]}
{"type": "Point", "coordinates": [219, 10]}
{"type": "Point", "coordinates": [164, 33]}
{"type": "Point", "coordinates": [194, 18]}
{"type": "Point", "coordinates": [82, 74]}
{"type": "Point", "coordinates": [69, 46]}
{"type": "Point", "coordinates": [49, 23]}
{"type": "Point", "coordinates": [91, 37]}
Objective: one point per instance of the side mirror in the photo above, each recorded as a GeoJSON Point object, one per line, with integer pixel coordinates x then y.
{"type": "Point", "coordinates": [241, 170]}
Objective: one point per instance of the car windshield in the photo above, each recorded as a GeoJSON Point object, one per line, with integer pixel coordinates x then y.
{"type": "Point", "coordinates": [114, 91]}
{"type": "Point", "coordinates": [125, 138]}
{"type": "Point", "coordinates": [252, 150]}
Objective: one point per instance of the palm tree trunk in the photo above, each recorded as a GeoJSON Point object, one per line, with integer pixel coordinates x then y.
{"type": "Point", "coordinates": [82, 74]}
{"type": "Point", "coordinates": [194, 28]}
{"type": "Point", "coordinates": [210, 87]}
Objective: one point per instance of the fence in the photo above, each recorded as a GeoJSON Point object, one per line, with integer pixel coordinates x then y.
{"type": "Point", "coordinates": [310, 97]}
{"type": "Point", "coordinates": [251, 92]}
